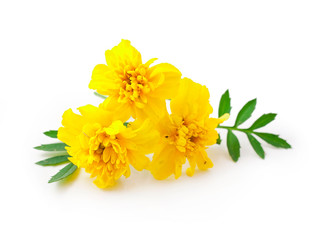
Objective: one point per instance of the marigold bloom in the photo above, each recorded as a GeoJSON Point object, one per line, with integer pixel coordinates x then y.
{"type": "Point", "coordinates": [186, 132]}
{"type": "Point", "coordinates": [99, 142]}
{"type": "Point", "coordinates": [135, 89]}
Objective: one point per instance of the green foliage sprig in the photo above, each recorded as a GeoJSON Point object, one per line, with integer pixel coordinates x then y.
{"type": "Point", "coordinates": [244, 114]}
{"type": "Point", "coordinates": [61, 158]}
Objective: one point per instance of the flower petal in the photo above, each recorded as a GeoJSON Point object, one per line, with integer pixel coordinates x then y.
{"type": "Point", "coordinates": [166, 79]}
{"type": "Point", "coordinates": [214, 122]}
{"type": "Point", "coordinates": [145, 136]}
{"type": "Point", "coordinates": [73, 124]}
{"type": "Point", "coordinates": [191, 170]}
{"type": "Point", "coordinates": [123, 54]}
{"type": "Point", "coordinates": [165, 126]}
{"type": "Point", "coordinates": [164, 161]}
{"type": "Point", "coordinates": [94, 114]}
{"type": "Point", "coordinates": [202, 160]}
{"type": "Point", "coordinates": [103, 80]}
{"type": "Point", "coordinates": [115, 128]}
{"type": "Point", "coordinates": [138, 160]}
{"type": "Point", "coordinates": [122, 111]}
{"type": "Point", "coordinates": [103, 182]}
{"type": "Point", "coordinates": [154, 109]}
{"type": "Point", "coordinates": [195, 101]}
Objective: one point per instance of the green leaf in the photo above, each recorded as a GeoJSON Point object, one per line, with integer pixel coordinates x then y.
{"type": "Point", "coordinates": [263, 120]}
{"type": "Point", "coordinates": [63, 173]}
{"type": "Point", "coordinates": [273, 139]}
{"type": "Point", "coordinates": [224, 106]}
{"type": "Point", "coordinates": [125, 124]}
{"type": "Point", "coordinates": [52, 133]}
{"type": "Point", "coordinates": [54, 160]}
{"type": "Point", "coordinates": [219, 140]}
{"type": "Point", "coordinates": [52, 147]}
{"type": "Point", "coordinates": [256, 145]}
{"type": "Point", "coordinates": [233, 146]}
{"type": "Point", "coordinates": [100, 95]}
{"type": "Point", "coordinates": [245, 113]}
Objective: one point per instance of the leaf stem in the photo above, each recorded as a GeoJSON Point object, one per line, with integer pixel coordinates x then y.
{"type": "Point", "coordinates": [100, 95]}
{"type": "Point", "coordinates": [245, 130]}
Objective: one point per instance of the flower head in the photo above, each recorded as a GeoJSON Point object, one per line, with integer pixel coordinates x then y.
{"type": "Point", "coordinates": [186, 132]}
{"type": "Point", "coordinates": [99, 142]}
{"type": "Point", "coordinates": [134, 88]}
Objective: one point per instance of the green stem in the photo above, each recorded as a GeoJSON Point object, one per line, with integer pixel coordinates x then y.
{"type": "Point", "coordinates": [100, 95]}
{"type": "Point", "coordinates": [246, 130]}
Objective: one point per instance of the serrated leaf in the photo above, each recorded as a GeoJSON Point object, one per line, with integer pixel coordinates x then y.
{"type": "Point", "coordinates": [54, 160]}
{"type": "Point", "coordinates": [63, 173]}
{"type": "Point", "coordinates": [273, 139]}
{"type": "Point", "coordinates": [245, 113]}
{"type": "Point", "coordinates": [256, 146]}
{"type": "Point", "coordinates": [224, 106]}
{"type": "Point", "coordinates": [263, 120]}
{"type": "Point", "coordinates": [52, 147]}
{"type": "Point", "coordinates": [52, 133]}
{"type": "Point", "coordinates": [233, 146]}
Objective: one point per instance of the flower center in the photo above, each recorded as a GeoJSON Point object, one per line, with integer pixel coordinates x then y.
{"type": "Point", "coordinates": [106, 152]}
{"type": "Point", "coordinates": [188, 137]}
{"type": "Point", "coordinates": [134, 85]}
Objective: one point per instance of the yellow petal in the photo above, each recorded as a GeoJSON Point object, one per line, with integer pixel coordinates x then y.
{"type": "Point", "coordinates": [202, 160]}
{"type": "Point", "coordinates": [73, 124]}
{"type": "Point", "coordinates": [123, 54]}
{"type": "Point", "coordinates": [191, 170]}
{"type": "Point", "coordinates": [102, 182]}
{"type": "Point", "coordinates": [121, 111]}
{"type": "Point", "coordinates": [166, 79]}
{"type": "Point", "coordinates": [80, 157]}
{"type": "Point", "coordinates": [164, 161]}
{"type": "Point", "coordinates": [191, 101]}
{"type": "Point", "coordinates": [178, 169]}
{"type": "Point", "coordinates": [165, 126]}
{"type": "Point", "coordinates": [115, 128]}
{"type": "Point", "coordinates": [224, 118]}
{"type": "Point", "coordinates": [103, 80]}
{"type": "Point", "coordinates": [212, 137]}
{"type": "Point", "coordinates": [138, 160]}
{"type": "Point", "coordinates": [154, 109]}
{"type": "Point", "coordinates": [147, 64]}
{"type": "Point", "coordinates": [94, 114]}
{"type": "Point", "coordinates": [145, 136]}
{"type": "Point", "coordinates": [127, 172]}
{"type": "Point", "coordinates": [72, 121]}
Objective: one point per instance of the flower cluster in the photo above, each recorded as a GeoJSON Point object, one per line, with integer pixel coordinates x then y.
{"type": "Point", "coordinates": [101, 141]}
{"type": "Point", "coordinates": [133, 121]}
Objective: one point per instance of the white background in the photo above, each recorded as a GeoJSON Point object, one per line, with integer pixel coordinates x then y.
{"type": "Point", "coordinates": [260, 49]}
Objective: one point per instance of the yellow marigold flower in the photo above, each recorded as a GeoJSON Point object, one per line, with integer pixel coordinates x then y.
{"type": "Point", "coordinates": [186, 132]}
{"type": "Point", "coordinates": [99, 142]}
{"type": "Point", "coordinates": [134, 88]}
